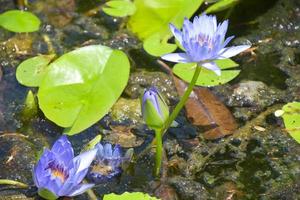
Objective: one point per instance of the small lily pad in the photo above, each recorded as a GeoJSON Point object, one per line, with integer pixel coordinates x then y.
{"type": "Point", "coordinates": [19, 21]}
{"type": "Point", "coordinates": [221, 5]}
{"type": "Point", "coordinates": [207, 77]}
{"type": "Point", "coordinates": [291, 118]}
{"type": "Point", "coordinates": [129, 196]}
{"type": "Point", "coordinates": [119, 8]}
{"type": "Point", "coordinates": [157, 47]}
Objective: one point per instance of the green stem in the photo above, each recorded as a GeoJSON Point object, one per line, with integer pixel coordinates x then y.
{"type": "Point", "coordinates": [12, 182]}
{"type": "Point", "coordinates": [159, 150]}
{"type": "Point", "coordinates": [182, 101]}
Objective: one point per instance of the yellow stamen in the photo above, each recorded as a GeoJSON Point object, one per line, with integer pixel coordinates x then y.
{"type": "Point", "coordinates": [58, 174]}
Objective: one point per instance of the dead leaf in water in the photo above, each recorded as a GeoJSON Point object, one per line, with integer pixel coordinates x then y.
{"type": "Point", "coordinates": [204, 109]}
{"type": "Point", "coordinates": [122, 135]}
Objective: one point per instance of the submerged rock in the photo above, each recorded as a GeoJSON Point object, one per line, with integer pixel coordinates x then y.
{"type": "Point", "coordinates": [252, 94]}
{"type": "Point", "coordinates": [188, 189]}
{"type": "Point", "coordinates": [18, 156]}
{"type": "Point", "coordinates": [127, 110]}
{"type": "Point", "coordinates": [140, 80]}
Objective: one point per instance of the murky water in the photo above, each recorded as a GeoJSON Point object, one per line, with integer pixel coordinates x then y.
{"type": "Point", "coordinates": [252, 165]}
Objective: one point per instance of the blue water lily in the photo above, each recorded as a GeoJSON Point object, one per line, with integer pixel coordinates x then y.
{"type": "Point", "coordinates": [107, 163]}
{"type": "Point", "coordinates": [58, 173]}
{"type": "Point", "coordinates": [203, 41]}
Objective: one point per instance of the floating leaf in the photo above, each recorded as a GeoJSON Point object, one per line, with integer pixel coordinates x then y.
{"type": "Point", "coordinates": [129, 196]}
{"type": "Point", "coordinates": [221, 5]}
{"type": "Point", "coordinates": [151, 21]}
{"type": "Point", "coordinates": [32, 71]}
{"type": "Point", "coordinates": [119, 8]}
{"type": "Point", "coordinates": [291, 118]}
{"type": "Point", "coordinates": [157, 47]}
{"type": "Point", "coordinates": [154, 16]}
{"type": "Point", "coordinates": [207, 77]}
{"type": "Point", "coordinates": [19, 21]}
{"type": "Point", "coordinates": [81, 86]}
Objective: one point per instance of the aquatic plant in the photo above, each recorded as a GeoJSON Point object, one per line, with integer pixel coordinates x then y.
{"type": "Point", "coordinates": [204, 42]}
{"type": "Point", "coordinates": [154, 108]}
{"type": "Point", "coordinates": [127, 195]}
{"type": "Point", "coordinates": [78, 88]}
{"type": "Point", "coordinates": [58, 173]}
{"type": "Point", "coordinates": [107, 164]}
{"type": "Point", "coordinates": [155, 113]}
{"type": "Point", "coordinates": [158, 14]}
{"type": "Point", "coordinates": [291, 118]}
{"type": "Point", "coordinates": [19, 21]}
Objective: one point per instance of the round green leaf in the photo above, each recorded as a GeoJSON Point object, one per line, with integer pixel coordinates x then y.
{"type": "Point", "coordinates": [156, 47]}
{"type": "Point", "coordinates": [129, 196]}
{"type": "Point", "coordinates": [291, 118]}
{"type": "Point", "coordinates": [119, 8]}
{"type": "Point", "coordinates": [31, 71]}
{"type": "Point", "coordinates": [207, 77]}
{"type": "Point", "coordinates": [19, 21]}
{"type": "Point", "coordinates": [81, 86]}
{"type": "Point", "coordinates": [154, 16]}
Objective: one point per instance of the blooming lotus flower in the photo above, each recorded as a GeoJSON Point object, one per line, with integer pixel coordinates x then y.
{"type": "Point", "coordinates": [107, 164]}
{"type": "Point", "coordinates": [204, 41]}
{"type": "Point", "coordinates": [58, 173]}
{"type": "Point", "coordinates": [154, 109]}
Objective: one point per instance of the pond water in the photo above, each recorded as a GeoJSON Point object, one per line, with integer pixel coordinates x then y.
{"type": "Point", "coordinates": [259, 161]}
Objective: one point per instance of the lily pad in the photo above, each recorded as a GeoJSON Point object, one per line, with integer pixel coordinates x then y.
{"type": "Point", "coordinates": [31, 71]}
{"type": "Point", "coordinates": [221, 5]}
{"type": "Point", "coordinates": [157, 47]}
{"type": "Point", "coordinates": [129, 196]}
{"type": "Point", "coordinates": [119, 8]}
{"type": "Point", "coordinates": [154, 16]}
{"type": "Point", "coordinates": [81, 86]}
{"type": "Point", "coordinates": [19, 21]}
{"type": "Point", "coordinates": [185, 71]}
{"type": "Point", "coordinates": [291, 118]}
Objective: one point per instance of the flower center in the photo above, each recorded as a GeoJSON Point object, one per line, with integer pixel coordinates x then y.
{"type": "Point", "coordinates": [58, 171]}
{"type": "Point", "coordinates": [205, 40]}
{"type": "Point", "coordinates": [102, 169]}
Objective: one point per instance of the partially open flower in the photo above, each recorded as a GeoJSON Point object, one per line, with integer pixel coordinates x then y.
{"type": "Point", "coordinates": [203, 41]}
{"type": "Point", "coordinates": [58, 173]}
{"type": "Point", "coordinates": [154, 109]}
{"type": "Point", "coordinates": [107, 164]}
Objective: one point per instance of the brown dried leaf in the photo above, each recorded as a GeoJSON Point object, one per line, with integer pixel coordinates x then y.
{"type": "Point", "coordinates": [204, 109]}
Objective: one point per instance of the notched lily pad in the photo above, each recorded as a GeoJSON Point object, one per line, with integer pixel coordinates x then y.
{"type": "Point", "coordinates": [32, 71]}
{"type": "Point", "coordinates": [119, 8]}
{"type": "Point", "coordinates": [81, 86]}
{"type": "Point", "coordinates": [19, 21]}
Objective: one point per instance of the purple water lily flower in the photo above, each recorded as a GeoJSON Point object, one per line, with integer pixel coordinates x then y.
{"type": "Point", "coordinates": [154, 109]}
{"type": "Point", "coordinates": [107, 164]}
{"type": "Point", "coordinates": [58, 173]}
{"type": "Point", "coordinates": [204, 41]}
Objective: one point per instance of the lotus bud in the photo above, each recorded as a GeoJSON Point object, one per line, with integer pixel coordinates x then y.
{"type": "Point", "coordinates": [154, 109]}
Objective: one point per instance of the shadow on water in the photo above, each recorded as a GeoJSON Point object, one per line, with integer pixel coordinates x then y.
{"type": "Point", "coordinates": [263, 69]}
